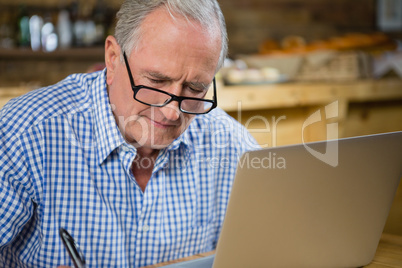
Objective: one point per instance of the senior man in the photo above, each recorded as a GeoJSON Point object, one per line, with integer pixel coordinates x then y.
{"type": "Point", "coordinates": [135, 161]}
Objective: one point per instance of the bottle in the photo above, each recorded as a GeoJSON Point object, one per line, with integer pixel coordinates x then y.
{"type": "Point", "coordinates": [99, 15]}
{"type": "Point", "coordinates": [64, 29]}
{"type": "Point", "coordinates": [7, 37]}
{"type": "Point", "coordinates": [23, 28]}
{"type": "Point", "coordinates": [89, 36]}
{"type": "Point", "coordinates": [35, 28]}
{"type": "Point", "coordinates": [49, 37]}
{"type": "Point", "coordinates": [79, 26]}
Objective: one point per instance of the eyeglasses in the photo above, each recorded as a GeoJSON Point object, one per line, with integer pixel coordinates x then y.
{"type": "Point", "coordinates": [158, 98]}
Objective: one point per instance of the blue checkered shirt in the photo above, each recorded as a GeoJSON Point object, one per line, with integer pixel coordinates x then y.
{"type": "Point", "coordinates": [64, 163]}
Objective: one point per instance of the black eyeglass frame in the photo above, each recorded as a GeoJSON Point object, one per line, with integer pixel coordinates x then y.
{"type": "Point", "coordinates": [173, 97]}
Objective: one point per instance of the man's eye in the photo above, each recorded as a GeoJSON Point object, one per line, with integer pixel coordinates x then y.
{"type": "Point", "coordinates": [156, 81]}
{"type": "Point", "coordinates": [198, 93]}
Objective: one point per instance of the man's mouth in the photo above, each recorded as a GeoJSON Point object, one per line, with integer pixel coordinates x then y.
{"type": "Point", "coordinates": [163, 125]}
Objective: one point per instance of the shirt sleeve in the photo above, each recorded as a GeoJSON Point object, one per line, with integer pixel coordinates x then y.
{"type": "Point", "coordinates": [16, 206]}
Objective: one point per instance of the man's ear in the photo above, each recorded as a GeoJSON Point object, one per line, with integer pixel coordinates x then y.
{"type": "Point", "coordinates": [112, 58]}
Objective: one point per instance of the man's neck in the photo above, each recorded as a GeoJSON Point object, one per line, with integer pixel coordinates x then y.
{"type": "Point", "coordinates": [147, 152]}
{"type": "Point", "coordinates": [143, 166]}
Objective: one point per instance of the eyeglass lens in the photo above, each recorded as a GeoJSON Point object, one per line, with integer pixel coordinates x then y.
{"type": "Point", "coordinates": [156, 98]}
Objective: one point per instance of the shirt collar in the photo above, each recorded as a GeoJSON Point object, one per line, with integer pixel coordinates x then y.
{"type": "Point", "coordinates": [108, 135]}
{"type": "Point", "coordinates": [182, 139]}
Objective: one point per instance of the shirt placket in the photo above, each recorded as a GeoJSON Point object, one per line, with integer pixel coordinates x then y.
{"type": "Point", "coordinates": [148, 224]}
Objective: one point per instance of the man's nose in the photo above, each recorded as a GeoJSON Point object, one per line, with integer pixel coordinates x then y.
{"type": "Point", "coordinates": [171, 111]}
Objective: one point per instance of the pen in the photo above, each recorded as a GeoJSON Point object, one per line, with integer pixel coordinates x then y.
{"type": "Point", "coordinates": [72, 248]}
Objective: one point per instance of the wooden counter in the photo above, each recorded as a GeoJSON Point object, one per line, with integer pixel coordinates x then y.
{"type": "Point", "coordinates": [388, 254]}
{"type": "Point", "coordinates": [286, 95]}
{"type": "Point", "coordinates": [271, 96]}
{"type": "Point", "coordinates": [276, 114]}
{"type": "Point", "coordinates": [7, 93]}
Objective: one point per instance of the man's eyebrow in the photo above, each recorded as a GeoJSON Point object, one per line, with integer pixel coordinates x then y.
{"type": "Point", "coordinates": [196, 85]}
{"type": "Point", "coordinates": [160, 76]}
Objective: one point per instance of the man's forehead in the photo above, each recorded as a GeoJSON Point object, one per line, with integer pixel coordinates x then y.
{"type": "Point", "coordinates": [163, 16]}
{"type": "Point", "coordinates": [194, 83]}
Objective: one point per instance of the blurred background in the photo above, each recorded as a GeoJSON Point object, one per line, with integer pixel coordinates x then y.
{"type": "Point", "coordinates": [288, 60]}
{"type": "Point", "coordinates": [43, 41]}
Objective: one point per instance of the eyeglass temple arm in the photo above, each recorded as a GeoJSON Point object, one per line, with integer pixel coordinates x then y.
{"type": "Point", "coordinates": [215, 98]}
{"type": "Point", "coordinates": [128, 69]}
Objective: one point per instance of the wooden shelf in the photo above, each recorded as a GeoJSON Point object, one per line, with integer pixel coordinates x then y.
{"type": "Point", "coordinates": [86, 53]}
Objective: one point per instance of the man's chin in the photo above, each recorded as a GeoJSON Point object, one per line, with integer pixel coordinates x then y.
{"type": "Point", "coordinates": [152, 145]}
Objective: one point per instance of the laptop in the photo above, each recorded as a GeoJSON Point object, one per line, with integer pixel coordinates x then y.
{"type": "Point", "coordinates": [321, 204]}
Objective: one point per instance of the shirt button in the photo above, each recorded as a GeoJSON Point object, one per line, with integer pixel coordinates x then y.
{"type": "Point", "coordinates": [145, 228]}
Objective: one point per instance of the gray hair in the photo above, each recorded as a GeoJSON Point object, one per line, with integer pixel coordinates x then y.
{"type": "Point", "coordinates": [133, 12]}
